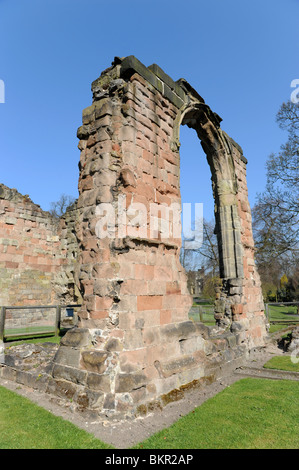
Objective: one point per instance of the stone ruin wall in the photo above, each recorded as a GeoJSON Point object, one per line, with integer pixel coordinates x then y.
{"type": "Point", "coordinates": [37, 253]}
{"type": "Point", "coordinates": [135, 344]}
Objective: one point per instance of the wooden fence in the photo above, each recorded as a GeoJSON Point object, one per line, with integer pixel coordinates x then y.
{"type": "Point", "coordinates": [23, 327]}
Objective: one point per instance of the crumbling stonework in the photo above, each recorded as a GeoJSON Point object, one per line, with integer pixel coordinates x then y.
{"type": "Point", "coordinates": [37, 253]}
{"type": "Point", "coordinates": [135, 345]}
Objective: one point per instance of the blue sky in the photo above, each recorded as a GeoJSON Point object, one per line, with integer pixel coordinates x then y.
{"type": "Point", "coordinates": [241, 56]}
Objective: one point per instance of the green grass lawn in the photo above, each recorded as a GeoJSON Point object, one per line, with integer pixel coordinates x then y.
{"type": "Point", "coordinates": [45, 339]}
{"type": "Point", "coordinates": [24, 425]}
{"type": "Point", "coordinates": [278, 327]}
{"type": "Point", "coordinates": [282, 313]}
{"type": "Point", "coordinates": [203, 312]}
{"type": "Point", "coordinates": [19, 333]}
{"type": "Point", "coordinates": [251, 414]}
{"type": "Point", "coordinates": [282, 363]}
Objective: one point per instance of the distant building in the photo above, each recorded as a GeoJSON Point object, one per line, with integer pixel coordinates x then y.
{"type": "Point", "coordinates": [195, 281]}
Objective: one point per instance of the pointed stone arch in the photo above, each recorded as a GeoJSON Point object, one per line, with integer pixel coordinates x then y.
{"type": "Point", "coordinates": [218, 149]}
{"type": "Point", "coordinates": [135, 343]}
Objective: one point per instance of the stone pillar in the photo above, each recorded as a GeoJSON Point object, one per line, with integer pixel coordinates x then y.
{"type": "Point", "coordinates": [134, 342]}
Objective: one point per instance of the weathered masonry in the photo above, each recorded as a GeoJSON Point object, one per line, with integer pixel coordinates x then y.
{"type": "Point", "coordinates": [38, 254]}
{"type": "Point", "coordinates": [134, 345]}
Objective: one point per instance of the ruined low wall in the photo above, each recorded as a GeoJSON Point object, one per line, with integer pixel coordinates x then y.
{"type": "Point", "coordinates": [37, 253]}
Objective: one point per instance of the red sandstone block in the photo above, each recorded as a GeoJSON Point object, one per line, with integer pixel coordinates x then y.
{"type": "Point", "coordinates": [128, 303]}
{"type": "Point", "coordinates": [173, 288]}
{"type": "Point", "coordinates": [86, 257]}
{"type": "Point", "coordinates": [133, 339]}
{"type": "Point", "coordinates": [102, 303]}
{"type": "Point", "coordinates": [151, 335]}
{"type": "Point", "coordinates": [171, 168]}
{"type": "Point", "coordinates": [144, 272]}
{"type": "Point", "coordinates": [11, 265]}
{"type": "Point", "coordinates": [142, 140]}
{"type": "Point", "coordinates": [30, 259]}
{"type": "Point", "coordinates": [127, 133]}
{"type": "Point", "coordinates": [105, 270]}
{"type": "Point", "coordinates": [134, 287]}
{"type": "Point", "coordinates": [97, 314]}
{"type": "Point", "coordinates": [161, 163]}
{"type": "Point", "coordinates": [126, 320]}
{"type": "Point", "coordinates": [86, 183]}
{"type": "Point", "coordinates": [170, 157]}
{"type": "Point", "coordinates": [174, 301]}
{"type": "Point", "coordinates": [88, 287]}
{"type": "Point", "coordinates": [169, 301]}
{"type": "Point", "coordinates": [148, 156]}
{"type": "Point", "coordinates": [146, 122]}
{"type": "Point", "coordinates": [162, 273]}
{"type": "Point", "coordinates": [157, 258]}
{"type": "Point", "coordinates": [165, 317]}
{"type": "Point", "coordinates": [116, 147]}
{"type": "Point", "coordinates": [42, 267]}
{"type": "Point", "coordinates": [130, 149]}
{"type": "Point", "coordinates": [20, 222]}
{"type": "Point", "coordinates": [91, 244]}
{"type": "Point", "coordinates": [173, 180]}
{"type": "Point", "coordinates": [135, 358]}
{"type": "Point", "coordinates": [149, 179]}
{"type": "Point", "coordinates": [145, 166]}
{"type": "Point", "coordinates": [116, 334]}
{"type": "Point", "coordinates": [103, 121]}
{"type": "Point", "coordinates": [179, 314]}
{"type": "Point", "coordinates": [140, 199]}
{"type": "Point", "coordinates": [237, 309]}
{"type": "Point", "coordinates": [256, 332]}
{"type": "Point", "coordinates": [149, 302]}
{"type": "Point", "coordinates": [147, 319]}
{"type": "Point", "coordinates": [126, 270]}
{"type": "Point", "coordinates": [156, 288]}
{"type": "Point", "coordinates": [162, 199]}
{"type": "Point", "coordinates": [183, 301]}
{"type": "Point", "coordinates": [161, 186]}
{"type": "Point", "coordinates": [92, 140]}
{"type": "Point", "coordinates": [152, 374]}
{"type": "Point", "coordinates": [12, 250]}
{"type": "Point", "coordinates": [146, 190]}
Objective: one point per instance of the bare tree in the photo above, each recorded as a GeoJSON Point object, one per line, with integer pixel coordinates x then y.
{"type": "Point", "coordinates": [59, 207]}
{"type": "Point", "coordinates": [206, 256]}
{"type": "Point", "coordinates": [209, 248]}
{"type": "Point", "coordinates": [276, 213]}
